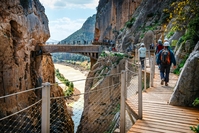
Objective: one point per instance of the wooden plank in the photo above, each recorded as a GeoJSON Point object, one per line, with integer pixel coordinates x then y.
{"type": "Point", "coordinates": [160, 130]}
{"type": "Point", "coordinates": [154, 124]}
{"type": "Point", "coordinates": [163, 118]}
{"type": "Point", "coordinates": [183, 112]}
{"type": "Point", "coordinates": [171, 114]}
{"type": "Point", "coordinates": [139, 130]}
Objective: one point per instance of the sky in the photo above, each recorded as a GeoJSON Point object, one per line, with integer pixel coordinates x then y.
{"type": "Point", "coordinates": [67, 16]}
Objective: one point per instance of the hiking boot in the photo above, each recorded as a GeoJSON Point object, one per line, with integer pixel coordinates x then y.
{"type": "Point", "coordinates": [166, 83]}
{"type": "Point", "coordinates": [162, 82]}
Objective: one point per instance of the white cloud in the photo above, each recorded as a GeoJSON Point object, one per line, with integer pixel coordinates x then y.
{"type": "Point", "coordinates": [92, 4]}
{"type": "Point", "coordinates": [62, 28]}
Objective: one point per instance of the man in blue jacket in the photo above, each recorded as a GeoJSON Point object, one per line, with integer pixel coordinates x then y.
{"type": "Point", "coordinates": [165, 59]}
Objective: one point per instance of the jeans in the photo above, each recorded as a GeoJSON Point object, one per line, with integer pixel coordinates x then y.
{"type": "Point", "coordinates": [164, 72]}
{"type": "Point", "coordinates": [142, 62]}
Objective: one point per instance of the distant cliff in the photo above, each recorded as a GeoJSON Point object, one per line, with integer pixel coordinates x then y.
{"type": "Point", "coordinates": [84, 35]}
{"type": "Point", "coordinates": [24, 26]}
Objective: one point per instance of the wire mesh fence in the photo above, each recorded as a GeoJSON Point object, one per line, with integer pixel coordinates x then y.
{"type": "Point", "coordinates": [95, 111]}
{"type": "Point", "coordinates": [27, 120]}
{"type": "Point", "coordinates": [101, 114]}
{"type": "Point", "coordinates": [132, 75]}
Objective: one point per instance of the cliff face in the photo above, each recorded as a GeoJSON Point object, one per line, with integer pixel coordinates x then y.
{"type": "Point", "coordinates": [21, 29]}
{"type": "Point", "coordinates": [23, 25]}
{"type": "Point", "coordinates": [176, 20]}
{"type": "Point", "coordinates": [112, 16]}
{"type": "Point", "coordinates": [103, 98]}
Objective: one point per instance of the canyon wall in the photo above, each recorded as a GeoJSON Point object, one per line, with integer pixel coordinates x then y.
{"type": "Point", "coordinates": [23, 27]}
{"type": "Point", "coordinates": [112, 16]}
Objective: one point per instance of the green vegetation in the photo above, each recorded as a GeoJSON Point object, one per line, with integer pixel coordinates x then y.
{"type": "Point", "coordinates": [192, 33]}
{"type": "Point", "coordinates": [170, 34]}
{"type": "Point", "coordinates": [130, 23]}
{"type": "Point", "coordinates": [178, 69]}
{"type": "Point", "coordinates": [69, 84]}
{"type": "Point", "coordinates": [195, 129]}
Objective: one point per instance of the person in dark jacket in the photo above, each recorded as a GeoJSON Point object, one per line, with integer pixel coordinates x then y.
{"type": "Point", "coordinates": [165, 66]}
{"type": "Point", "coordinates": [158, 47]}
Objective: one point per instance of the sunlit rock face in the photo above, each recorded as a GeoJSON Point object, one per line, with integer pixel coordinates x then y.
{"type": "Point", "coordinates": [187, 87]}
{"type": "Point", "coordinates": [112, 16]}
{"type": "Point", "coordinates": [23, 27]}
{"type": "Point", "coordinates": [100, 105]}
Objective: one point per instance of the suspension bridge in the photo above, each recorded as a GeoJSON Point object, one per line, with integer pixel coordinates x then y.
{"type": "Point", "coordinates": [148, 110]}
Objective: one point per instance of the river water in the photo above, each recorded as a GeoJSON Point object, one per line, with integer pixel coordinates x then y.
{"type": "Point", "coordinates": [72, 75]}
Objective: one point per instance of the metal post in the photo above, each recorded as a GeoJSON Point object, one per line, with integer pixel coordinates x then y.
{"type": "Point", "coordinates": [140, 93]}
{"type": "Point", "coordinates": [45, 121]}
{"type": "Point", "coordinates": [122, 108]}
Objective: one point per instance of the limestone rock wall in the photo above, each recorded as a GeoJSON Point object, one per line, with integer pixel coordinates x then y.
{"type": "Point", "coordinates": [100, 105]}
{"type": "Point", "coordinates": [21, 29]}
{"type": "Point", "coordinates": [23, 26]}
{"type": "Point", "coordinates": [187, 87]}
{"type": "Point", "coordinates": [112, 15]}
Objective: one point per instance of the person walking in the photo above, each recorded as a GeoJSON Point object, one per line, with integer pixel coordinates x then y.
{"type": "Point", "coordinates": [142, 54]}
{"type": "Point", "coordinates": [165, 59]}
{"type": "Point", "coordinates": [159, 47]}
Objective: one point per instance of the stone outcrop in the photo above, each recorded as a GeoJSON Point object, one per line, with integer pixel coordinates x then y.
{"type": "Point", "coordinates": [187, 87]}
{"type": "Point", "coordinates": [23, 26]}
{"type": "Point", "coordinates": [100, 105]}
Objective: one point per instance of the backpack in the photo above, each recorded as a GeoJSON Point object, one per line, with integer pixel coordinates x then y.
{"type": "Point", "coordinates": [165, 57]}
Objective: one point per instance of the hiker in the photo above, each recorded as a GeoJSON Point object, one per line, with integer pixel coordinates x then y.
{"type": "Point", "coordinates": [159, 47]}
{"type": "Point", "coordinates": [165, 59]}
{"type": "Point", "coordinates": [142, 54]}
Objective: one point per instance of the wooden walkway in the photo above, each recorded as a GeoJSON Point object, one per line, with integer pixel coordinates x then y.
{"type": "Point", "coordinates": [159, 116]}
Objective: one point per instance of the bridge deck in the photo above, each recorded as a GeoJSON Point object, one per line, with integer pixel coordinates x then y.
{"type": "Point", "coordinates": [158, 116]}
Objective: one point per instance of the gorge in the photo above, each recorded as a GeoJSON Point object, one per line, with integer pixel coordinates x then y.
{"type": "Point", "coordinates": [24, 27]}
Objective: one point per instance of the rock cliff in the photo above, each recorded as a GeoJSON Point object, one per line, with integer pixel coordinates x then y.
{"type": "Point", "coordinates": [23, 26]}
{"type": "Point", "coordinates": [103, 98]}
{"type": "Point", "coordinates": [132, 22]}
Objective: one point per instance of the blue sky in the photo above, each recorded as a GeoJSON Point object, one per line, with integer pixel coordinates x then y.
{"type": "Point", "coordinates": [67, 16]}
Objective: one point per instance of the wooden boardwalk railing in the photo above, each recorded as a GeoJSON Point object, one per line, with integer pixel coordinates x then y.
{"type": "Point", "coordinates": [159, 116]}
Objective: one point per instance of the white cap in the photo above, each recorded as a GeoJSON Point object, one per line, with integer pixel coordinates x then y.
{"type": "Point", "coordinates": [166, 44]}
{"type": "Point", "coordinates": [166, 40]}
{"type": "Point", "coordinates": [142, 44]}
{"type": "Point", "coordinates": [159, 40]}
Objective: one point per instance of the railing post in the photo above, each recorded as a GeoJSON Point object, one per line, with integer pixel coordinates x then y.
{"type": "Point", "coordinates": [122, 108]}
{"type": "Point", "coordinates": [145, 74]}
{"type": "Point", "coordinates": [140, 92]}
{"type": "Point", "coordinates": [45, 121]}
{"type": "Point", "coordinates": [152, 71]}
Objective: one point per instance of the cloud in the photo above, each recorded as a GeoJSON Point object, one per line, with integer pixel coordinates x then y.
{"type": "Point", "coordinates": [62, 28]}
{"type": "Point", "coordinates": [92, 4]}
